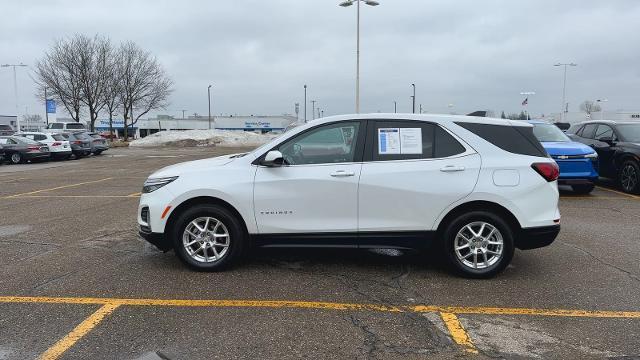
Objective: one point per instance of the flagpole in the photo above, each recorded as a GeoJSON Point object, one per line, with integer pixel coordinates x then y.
{"type": "Point", "coordinates": [526, 101]}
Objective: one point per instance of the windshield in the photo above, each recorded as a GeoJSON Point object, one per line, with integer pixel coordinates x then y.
{"type": "Point", "coordinates": [629, 132]}
{"type": "Point", "coordinates": [549, 133]}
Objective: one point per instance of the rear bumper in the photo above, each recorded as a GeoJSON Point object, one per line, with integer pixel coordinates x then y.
{"type": "Point", "coordinates": [537, 237]}
{"type": "Point", "coordinates": [156, 239]}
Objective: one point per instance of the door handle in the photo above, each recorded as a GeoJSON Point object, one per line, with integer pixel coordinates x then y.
{"type": "Point", "coordinates": [452, 168]}
{"type": "Point", "coordinates": [342, 173]}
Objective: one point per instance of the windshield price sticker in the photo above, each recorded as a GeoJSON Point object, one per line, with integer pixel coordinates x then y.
{"type": "Point", "coordinates": [399, 141]}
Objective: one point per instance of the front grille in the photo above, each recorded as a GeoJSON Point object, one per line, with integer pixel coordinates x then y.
{"type": "Point", "coordinates": [567, 157]}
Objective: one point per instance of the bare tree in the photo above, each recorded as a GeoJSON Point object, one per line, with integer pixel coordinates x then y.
{"type": "Point", "coordinates": [111, 95]}
{"type": "Point", "coordinates": [144, 84]}
{"type": "Point", "coordinates": [589, 107]}
{"type": "Point", "coordinates": [59, 73]}
{"type": "Point", "coordinates": [93, 56]}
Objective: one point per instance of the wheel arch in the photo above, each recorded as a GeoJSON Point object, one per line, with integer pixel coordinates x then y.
{"type": "Point", "coordinates": [483, 206]}
{"type": "Point", "coordinates": [203, 200]}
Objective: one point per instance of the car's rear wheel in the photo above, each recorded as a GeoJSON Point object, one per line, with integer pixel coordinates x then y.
{"type": "Point", "coordinates": [208, 238]}
{"type": "Point", "coordinates": [629, 177]}
{"type": "Point", "coordinates": [583, 188]}
{"type": "Point", "coordinates": [16, 158]}
{"type": "Point", "coordinates": [478, 244]}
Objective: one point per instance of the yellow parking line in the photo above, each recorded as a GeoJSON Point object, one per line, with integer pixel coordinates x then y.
{"type": "Point", "coordinates": [618, 192]}
{"type": "Point", "coordinates": [58, 187]}
{"type": "Point", "coordinates": [135, 194]}
{"type": "Point", "coordinates": [76, 196]}
{"type": "Point", "coordinates": [458, 333]}
{"type": "Point", "coordinates": [526, 311]}
{"type": "Point", "coordinates": [55, 351]}
{"type": "Point", "coordinates": [591, 197]}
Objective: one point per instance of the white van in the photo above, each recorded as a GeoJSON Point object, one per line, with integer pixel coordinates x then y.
{"type": "Point", "coordinates": [59, 127]}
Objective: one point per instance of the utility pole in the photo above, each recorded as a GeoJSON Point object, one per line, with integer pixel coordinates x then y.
{"type": "Point", "coordinates": [414, 98]}
{"type": "Point", "coordinates": [305, 103]}
{"type": "Point", "coordinates": [46, 106]}
{"type": "Point", "coordinates": [395, 106]}
{"type": "Point", "coordinates": [15, 89]}
{"type": "Point", "coordinates": [183, 111]}
{"type": "Point", "coordinates": [420, 108]}
{"type": "Point", "coordinates": [564, 89]}
{"type": "Point", "coordinates": [209, 96]}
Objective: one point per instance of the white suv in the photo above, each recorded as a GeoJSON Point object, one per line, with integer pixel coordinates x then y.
{"type": "Point", "coordinates": [476, 188]}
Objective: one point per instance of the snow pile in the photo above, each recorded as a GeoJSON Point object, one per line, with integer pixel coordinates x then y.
{"type": "Point", "coordinates": [223, 138]}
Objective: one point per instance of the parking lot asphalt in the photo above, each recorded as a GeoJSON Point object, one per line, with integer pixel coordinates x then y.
{"type": "Point", "coordinates": [78, 283]}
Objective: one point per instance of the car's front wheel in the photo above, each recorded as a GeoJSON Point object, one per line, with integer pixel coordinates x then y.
{"type": "Point", "coordinates": [629, 177]}
{"type": "Point", "coordinates": [478, 244]}
{"type": "Point", "coordinates": [208, 238]}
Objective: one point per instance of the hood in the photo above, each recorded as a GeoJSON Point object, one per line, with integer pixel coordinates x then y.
{"type": "Point", "coordinates": [189, 166]}
{"type": "Point", "coordinates": [567, 148]}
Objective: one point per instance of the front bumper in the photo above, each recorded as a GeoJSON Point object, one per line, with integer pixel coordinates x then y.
{"type": "Point", "coordinates": [537, 237]}
{"type": "Point", "coordinates": [156, 239]}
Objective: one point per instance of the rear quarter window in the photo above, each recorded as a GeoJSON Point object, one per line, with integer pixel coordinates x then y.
{"type": "Point", "coordinates": [514, 139]}
{"type": "Point", "coordinates": [58, 137]}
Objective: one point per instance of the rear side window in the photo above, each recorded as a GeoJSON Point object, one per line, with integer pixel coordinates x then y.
{"type": "Point", "coordinates": [55, 126]}
{"type": "Point", "coordinates": [39, 137]}
{"type": "Point", "coordinates": [57, 137]}
{"type": "Point", "coordinates": [72, 126]}
{"type": "Point", "coordinates": [588, 131]}
{"type": "Point", "coordinates": [446, 145]}
{"type": "Point", "coordinates": [514, 139]}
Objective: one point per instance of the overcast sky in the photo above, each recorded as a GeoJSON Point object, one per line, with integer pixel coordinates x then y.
{"type": "Point", "coordinates": [259, 54]}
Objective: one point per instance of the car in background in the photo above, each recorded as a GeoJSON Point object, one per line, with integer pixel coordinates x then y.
{"type": "Point", "coordinates": [58, 146]}
{"type": "Point", "coordinates": [98, 144]}
{"type": "Point", "coordinates": [60, 127]}
{"type": "Point", "coordinates": [1, 154]}
{"type": "Point", "coordinates": [80, 146]}
{"type": "Point", "coordinates": [578, 162]}
{"type": "Point", "coordinates": [19, 149]}
{"type": "Point", "coordinates": [6, 130]}
{"type": "Point", "coordinates": [618, 146]}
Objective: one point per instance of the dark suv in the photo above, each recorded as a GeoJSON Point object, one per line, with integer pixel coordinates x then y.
{"type": "Point", "coordinates": [618, 146]}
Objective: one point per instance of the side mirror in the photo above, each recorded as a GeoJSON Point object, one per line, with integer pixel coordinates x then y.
{"type": "Point", "coordinates": [606, 139]}
{"type": "Point", "coordinates": [273, 158]}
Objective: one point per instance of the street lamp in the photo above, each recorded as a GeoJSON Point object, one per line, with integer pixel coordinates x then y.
{"type": "Point", "coordinates": [564, 87]}
{"type": "Point", "coordinates": [209, 95]}
{"type": "Point", "coordinates": [15, 88]}
{"type": "Point", "coordinates": [601, 109]}
{"type": "Point", "coordinates": [395, 106]}
{"type": "Point", "coordinates": [348, 3]}
{"type": "Point", "coordinates": [414, 98]}
{"type": "Point", "coordinates": [526, 101]}
{"type": "Point", "coordinates": [305, 104]}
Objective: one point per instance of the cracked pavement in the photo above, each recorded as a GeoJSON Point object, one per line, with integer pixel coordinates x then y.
{"type": "Point", "coordinates": [88, 247]}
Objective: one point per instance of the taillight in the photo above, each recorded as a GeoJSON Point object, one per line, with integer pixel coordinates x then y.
{"type": "Point", "coordinates": [56, 144]}
{"type": "Point", "coordinates": [33, 148]}
{"type": "Point", "coordinates": [549, 171]}
{"type": "Point", "coordinates": [78, 142]}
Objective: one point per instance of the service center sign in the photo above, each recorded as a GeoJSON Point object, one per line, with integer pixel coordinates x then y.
{"type": "Point", "coordinates": [257, 124]}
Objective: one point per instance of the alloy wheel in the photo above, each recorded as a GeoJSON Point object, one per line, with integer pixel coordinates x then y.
{"type": "Point", "coordinates": [206, 239]}
{"type": "Point", "coordinates": [16, 158]}
{"type": "Point", "coordinates": [479, 245]}
{"type": "Point", "coordinates": [629, 177]}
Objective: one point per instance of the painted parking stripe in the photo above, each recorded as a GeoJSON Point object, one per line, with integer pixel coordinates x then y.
{"type": "Point", "coordinates": [59, 348]}
{"type": "Point", "coordinates": [58, 187]}
{"type": "Point", "coordinates": [619, 192]}
{"type": "Point", "coordinates": [458, 333]}
{"type": "Point", "coordinates": [75, 196]}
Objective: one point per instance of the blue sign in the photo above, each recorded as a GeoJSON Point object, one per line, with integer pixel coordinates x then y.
{"type": "Point", "coordinates": [51, 106]}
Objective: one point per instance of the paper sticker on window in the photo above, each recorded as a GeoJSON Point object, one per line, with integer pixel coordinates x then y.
{"type": "Point", "coordinates": [388, 141]}
{"type": "Point", "coordinates": [411, 141]}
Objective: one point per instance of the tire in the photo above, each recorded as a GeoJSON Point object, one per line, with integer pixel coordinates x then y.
{"type": "Point", "coordinates": [221, 221]}
{"type": "Point", "coordinates": [583, 189]}
{"type": "Point", "coordinates": [629, 177]}
{"type": "Point", "coordinates": [97, 153]}
{"type": "Point", "coordinates": [495, 229]}
{"type": "Point", "coordinates": [16, 158]}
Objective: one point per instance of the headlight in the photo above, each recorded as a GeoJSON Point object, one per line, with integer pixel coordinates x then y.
{"type": "Point", "coordinates": [154, 184]}
{"type": "Point", "coordinates": [592, 156]}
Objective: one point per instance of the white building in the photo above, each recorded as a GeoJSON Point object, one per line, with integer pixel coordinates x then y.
{"type": "Point", "coordinates": [8, 120]}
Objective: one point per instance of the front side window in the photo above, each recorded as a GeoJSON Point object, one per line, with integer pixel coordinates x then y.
{"type": "Point", "coordinates": [588, 131]}
{"type": "Point", "coordinates": [603, 131]}
{"type": "Point", "coordinates": [55, 126]}
{"type": "Point", "coordinates": [39, 137]}
{"type": "Point", "coordinates": [334, 143]}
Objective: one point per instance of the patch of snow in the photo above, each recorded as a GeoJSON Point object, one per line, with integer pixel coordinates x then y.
{"type": "Point", "coordinates": [224, 138]}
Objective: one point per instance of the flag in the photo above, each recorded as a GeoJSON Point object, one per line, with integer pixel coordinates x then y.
{"type": "Point", "coordinates": [525, 102]}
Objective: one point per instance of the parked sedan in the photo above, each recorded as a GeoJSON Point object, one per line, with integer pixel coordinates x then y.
{"type": "Point", "coordinates": [99, 144]}
{"type": "Point", "coordinates": [578, 162]}
{"type": "Point", "coordinates": [79, 146]}
{"type": "Point", "coordinates": [58, 145]}
{"type": "Point", "coordinates": [618, 146]}
{"type": "Point", "coordinates": [19, 149]}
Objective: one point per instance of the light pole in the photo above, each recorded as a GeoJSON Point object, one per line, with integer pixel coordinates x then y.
{"type": "Point", "coordinates": [348, 3]}
{"type": "Point", "coordinates": [395, 106]}
{"type": "Point", "coordinates": [525, 103]}
{"type": "Point", "coordinates": [420, 108]}
{"type": "Point", "coordinates": [414, 98]}
{"type": "Point", "coordinates": [305, 104]}
{"type": "Point", "coordinates": [564, 87]}
{"type": "Point", "coordinates": [209, 95]}
{"type": "Point", "coordinates": [15, 88]}
{"type": "Point", "coordinates": [313, 109]}
{"type": "Point", "coordinates": [601, 109]}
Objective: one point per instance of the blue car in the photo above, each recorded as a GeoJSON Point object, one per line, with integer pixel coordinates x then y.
{"type": "Point", "coordinates": [578, 162]}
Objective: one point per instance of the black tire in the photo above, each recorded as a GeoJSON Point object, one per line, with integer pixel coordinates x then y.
{"type": "Point", "coordinates": [16, 158]}
{"type": "Point", "coordinates": [583, 189]}
{"type": "Point", "coordinates": [97, 153]}
{"type": "Point", "coordinates": [236, 241]}
{"type": "Point", "coordinates": [503, 230]}
{"type": "Point", "coordinates": [629, 177]}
